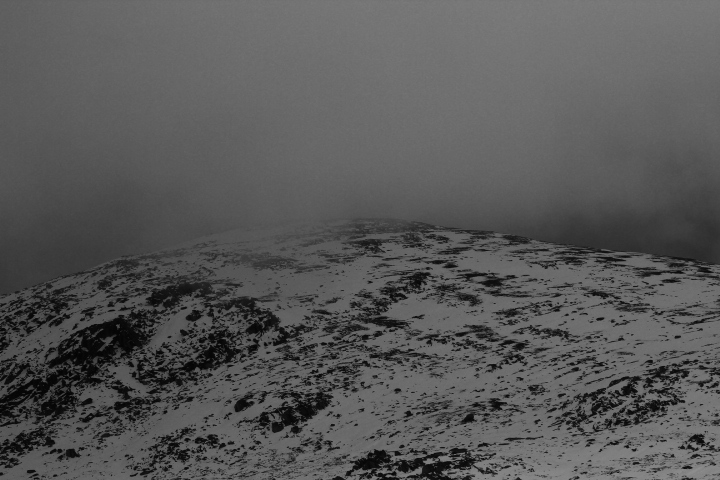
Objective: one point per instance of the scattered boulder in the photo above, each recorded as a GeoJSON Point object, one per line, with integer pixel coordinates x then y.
{"type": "Point", "coordinates": [243, 404]}
{"type": "Point", "coordinates": [374, 459]}
{"type": "Point", "coordinates": [301, 409]}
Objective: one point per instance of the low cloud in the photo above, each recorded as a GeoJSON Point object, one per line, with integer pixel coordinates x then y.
{"type": "Point", "coordinates": [129, 127]}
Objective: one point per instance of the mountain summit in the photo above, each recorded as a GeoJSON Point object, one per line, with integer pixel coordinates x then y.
{"type": "Point", "coordinates": [365, 349]}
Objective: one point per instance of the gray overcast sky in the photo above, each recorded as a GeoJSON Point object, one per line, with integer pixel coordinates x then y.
{"type": "Point", "coordinates": [127, 126]}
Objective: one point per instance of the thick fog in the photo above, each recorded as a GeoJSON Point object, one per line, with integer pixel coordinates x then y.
{"type": "Point", "coordinates": [129, 126]}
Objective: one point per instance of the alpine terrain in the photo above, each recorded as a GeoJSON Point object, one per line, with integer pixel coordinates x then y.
{"type": "Point", "coordinates": [365, 349]}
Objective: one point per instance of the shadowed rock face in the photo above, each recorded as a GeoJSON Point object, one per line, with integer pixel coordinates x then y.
{"type": "Point", "coordinates": [365, 349]}
{"type": "Point", "coordinates": [99, 342]}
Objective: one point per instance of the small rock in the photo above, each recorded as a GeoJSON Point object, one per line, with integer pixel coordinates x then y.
{"type": "Point", "coordinates": [243, 404]}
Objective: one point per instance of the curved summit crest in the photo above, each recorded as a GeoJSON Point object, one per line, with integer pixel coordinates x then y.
{"type": "Point", "coordinates": [370, 348]}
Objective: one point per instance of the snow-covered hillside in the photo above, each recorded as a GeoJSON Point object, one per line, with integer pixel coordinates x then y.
{"type": "Point", "coordinates": [365, 349]}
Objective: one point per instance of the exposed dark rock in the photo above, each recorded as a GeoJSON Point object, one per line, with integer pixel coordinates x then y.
{"type": "Point", "coordinates": [243, 404]}
{"type": "Point", "coordinates": [627, 400]}
{"type": "Point", "coordinates": [300, 409]}
{"type": "Point", "coordinates": [90, 344]}
{"type": "Point", "coordinates": [218, 350]}
{"type": "Point", "coordinates": [374, 459]}
{"type": "Point", "coordinates": [171, 295]}
{"type": "Point", "coordinates": [369, 245]}
{"type": "Point", "coordinates": [22, 444]}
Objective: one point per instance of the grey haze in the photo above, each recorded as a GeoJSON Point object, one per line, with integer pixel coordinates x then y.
{"type": "Point", "coordinates": [127, 126]}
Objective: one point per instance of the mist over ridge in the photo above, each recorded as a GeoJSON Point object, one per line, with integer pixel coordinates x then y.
{"type": "Point", "coordinates": [128, 127]}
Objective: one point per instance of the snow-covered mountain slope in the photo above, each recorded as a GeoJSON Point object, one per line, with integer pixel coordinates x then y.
{"type": "Point", "coordinates": [365, 349]}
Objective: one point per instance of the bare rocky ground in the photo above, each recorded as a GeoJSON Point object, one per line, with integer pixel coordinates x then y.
{"type": "Point", "coordinates": [365, 349]}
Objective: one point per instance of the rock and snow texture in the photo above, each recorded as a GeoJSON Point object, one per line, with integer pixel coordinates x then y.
{"type": "Point", "coordinates": [365, 349]}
